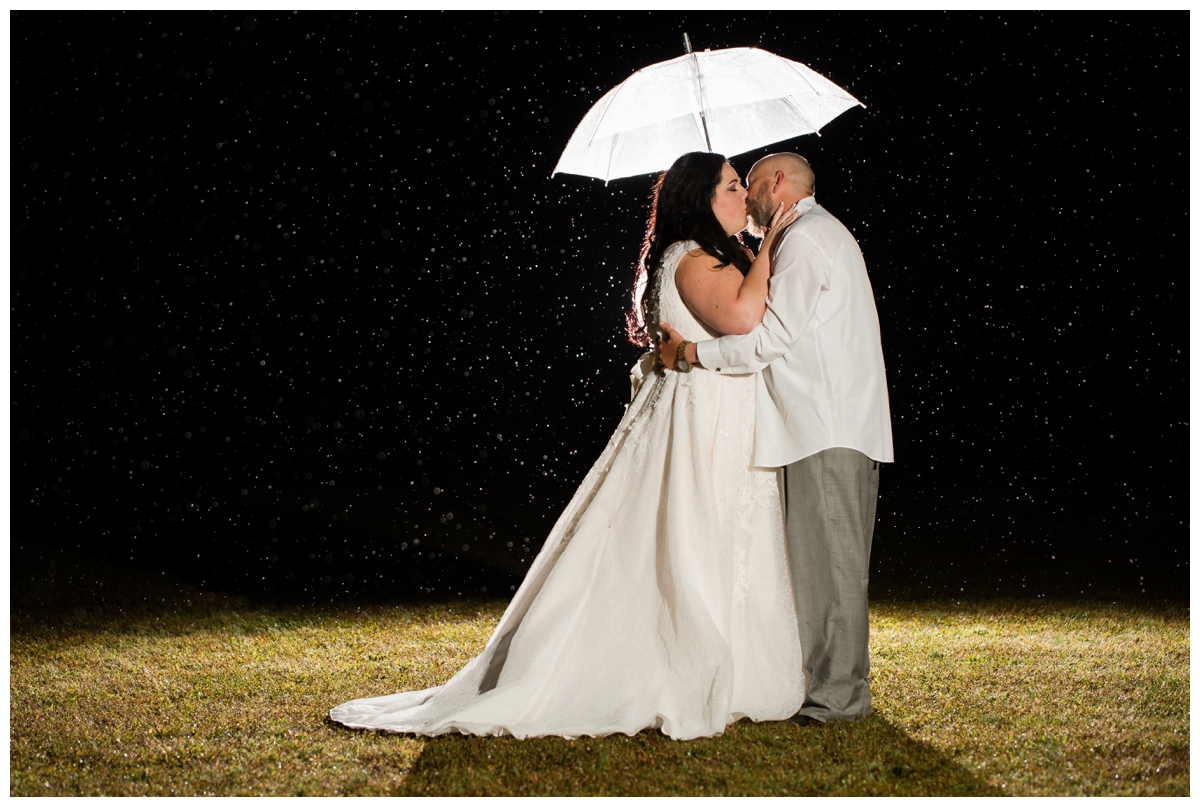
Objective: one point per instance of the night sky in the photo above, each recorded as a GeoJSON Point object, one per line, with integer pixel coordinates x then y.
{"type": "Point", "coordinates": [298, 310]}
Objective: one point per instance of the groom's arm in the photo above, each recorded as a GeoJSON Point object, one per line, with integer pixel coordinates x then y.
{"type": "Point", "coordinates": [800, 276]}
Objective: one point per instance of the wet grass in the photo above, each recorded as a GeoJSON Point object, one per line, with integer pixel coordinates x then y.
{"type": "Point", "coordinates": [124, 686]}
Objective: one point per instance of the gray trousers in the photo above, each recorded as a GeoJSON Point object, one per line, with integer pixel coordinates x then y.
{"type": "Point", "coordinates": [829, 511]}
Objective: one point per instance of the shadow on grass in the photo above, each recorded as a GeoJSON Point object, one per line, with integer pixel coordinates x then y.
{"type": "Point", "coordinates": [870, 757]}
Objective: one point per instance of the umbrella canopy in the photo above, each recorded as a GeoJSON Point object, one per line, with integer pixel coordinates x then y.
{"type": "Point", "coordinates": [729, 101]}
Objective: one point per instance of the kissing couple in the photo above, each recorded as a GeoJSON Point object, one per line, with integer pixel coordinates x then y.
{"type": "Point", "coordinates": [713, 564]}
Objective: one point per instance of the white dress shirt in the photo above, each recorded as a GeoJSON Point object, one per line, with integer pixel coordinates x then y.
{"type": "Point", "coordinates": [822, 382]}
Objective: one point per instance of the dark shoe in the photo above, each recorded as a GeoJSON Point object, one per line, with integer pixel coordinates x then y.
{"type": "Point", "coordinates": [805, 720]}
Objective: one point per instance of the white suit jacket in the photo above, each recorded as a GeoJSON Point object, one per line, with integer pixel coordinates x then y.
{"type": "Point", "coordinates": [822, 381]}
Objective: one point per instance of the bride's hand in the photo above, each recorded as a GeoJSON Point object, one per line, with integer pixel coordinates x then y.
{"type": "Point", "coordinates": [668, 347]}
{"type": "Point", "coordinates": [779, 221]}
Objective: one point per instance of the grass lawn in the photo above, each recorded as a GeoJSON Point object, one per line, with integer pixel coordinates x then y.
{"type": "Point", "coordinates": [121, 686]}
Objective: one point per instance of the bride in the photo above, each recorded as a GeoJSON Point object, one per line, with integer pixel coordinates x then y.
{"type": "Point", "coordinates": [661, 597]}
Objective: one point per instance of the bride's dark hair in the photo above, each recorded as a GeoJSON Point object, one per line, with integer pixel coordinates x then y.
{"type": "Point", "coordinates": [680, 210]}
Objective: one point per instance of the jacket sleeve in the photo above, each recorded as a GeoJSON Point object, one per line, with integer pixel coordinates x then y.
{"type": "Point", "coordinates": [801, 274]}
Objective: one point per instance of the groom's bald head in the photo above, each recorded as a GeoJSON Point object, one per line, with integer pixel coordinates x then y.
{"type": "Point", "coordinates": [795, 169]}
{"type": "Point", "coordinates": [777, 178]}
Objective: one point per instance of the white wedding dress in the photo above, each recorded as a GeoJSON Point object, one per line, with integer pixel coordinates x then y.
{"type": "Point", "coordinates": [662, 596]}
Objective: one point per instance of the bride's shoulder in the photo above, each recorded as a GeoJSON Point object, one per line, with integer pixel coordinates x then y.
{"type": "Point", "coordinates": [694, 258]}
{"type": "Point", "coordinates": [680, 250]}
{"type": "Point", "coordinates": [679, 247]}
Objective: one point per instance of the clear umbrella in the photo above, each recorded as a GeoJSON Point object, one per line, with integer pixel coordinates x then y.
{"type": "Point", "coordinates": [729, 101]}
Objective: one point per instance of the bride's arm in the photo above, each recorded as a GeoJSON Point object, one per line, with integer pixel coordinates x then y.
{"type": "Point", "coordinates": [721, 296]}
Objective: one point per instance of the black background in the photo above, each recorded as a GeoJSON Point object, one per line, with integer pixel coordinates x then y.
{"type": "Point", "coordinates": [298, 310]}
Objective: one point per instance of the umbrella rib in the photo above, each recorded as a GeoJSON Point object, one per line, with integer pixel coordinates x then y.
{"type": "Point", "coordinates": [615, 93]}
{"type": "Point", "coordinates": [803, 77]}
{"type": "Point", "coordinates": [803, 117]}
{"type": "Point", "coordinates": [611, 152]}
{"type": "Point", "coordinates": [814, 89]}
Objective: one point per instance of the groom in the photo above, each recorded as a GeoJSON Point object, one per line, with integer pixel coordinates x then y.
{"type": "Point", "coordinates": [822, 417]}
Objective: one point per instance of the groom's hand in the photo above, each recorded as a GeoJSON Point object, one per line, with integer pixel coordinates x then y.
{"type": "Point", "coordinates": [668, 347]}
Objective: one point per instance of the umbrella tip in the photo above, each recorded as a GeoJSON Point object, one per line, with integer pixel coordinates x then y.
{"type": "Point", "coordinates": [687, 43]}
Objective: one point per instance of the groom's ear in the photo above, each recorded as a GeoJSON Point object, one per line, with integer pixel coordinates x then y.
{"type": "Point", "coordinates": [780, 181]}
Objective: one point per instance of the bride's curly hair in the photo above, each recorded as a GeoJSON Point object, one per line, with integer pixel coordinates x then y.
{"type": "Point", "coordinates": [680, 210]}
